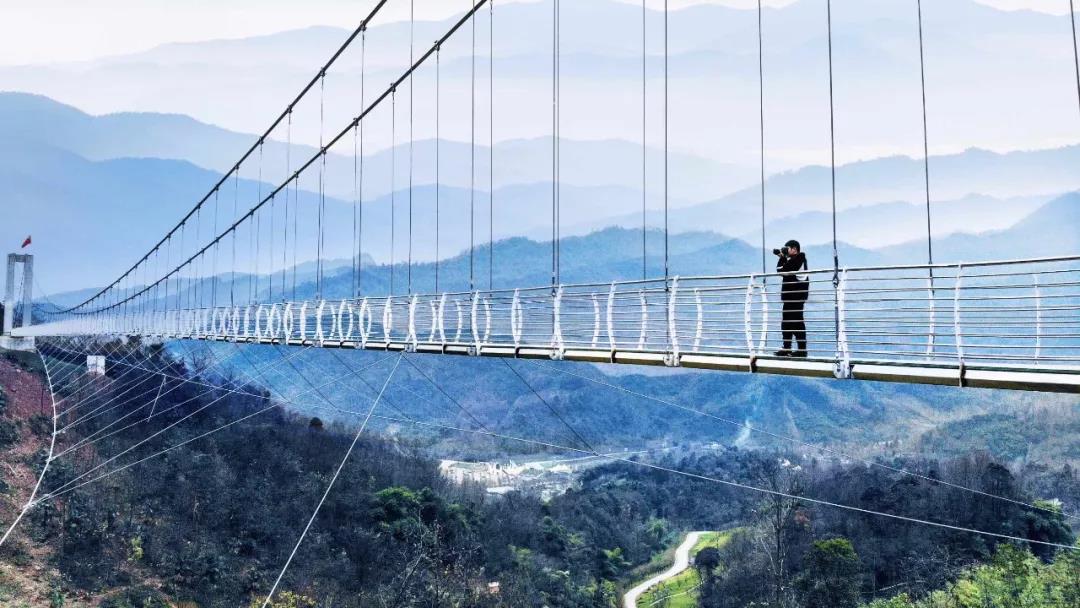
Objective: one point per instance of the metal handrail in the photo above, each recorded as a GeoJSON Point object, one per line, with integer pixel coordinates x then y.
{"type": "Point", "coordinates": [964, 318]}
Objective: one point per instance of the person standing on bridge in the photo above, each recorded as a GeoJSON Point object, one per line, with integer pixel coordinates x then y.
{"type": "Point", "coordinates": [794, 291]}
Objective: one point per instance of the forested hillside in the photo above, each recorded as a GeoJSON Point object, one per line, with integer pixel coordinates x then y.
{"type": "Point", "coordinates": [210, 523]}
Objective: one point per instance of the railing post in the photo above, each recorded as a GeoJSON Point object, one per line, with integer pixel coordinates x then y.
{"type": "Point", "coordinates": [412, 321]}
{"type": "Point", "coordinates": [434, 305]}
{"type": "Point", "coordinates": [442, 319]}
{"type": "Point", "coordinates": [843, 353]}
{"type": "Point", "coordinates": [1038, 320]}
{"type": "Point", "coordinates": [460, 321]}
{"type": "Point", "coordinates": [515, 319]}
{"type": "Point", "coordinates": [644, 336]}
{"type": "Point", "coordinates": [611, 319]}
{"type": "Point", "coordinates": [260, 323]}
{"type": "Point", "coordinates": [673, 328]}
{"type": "Point", "coordinates": [351, 310]}
{"type": "Point", "coordinates": [700, 329]}
{"type": "Point", "coordinates": [277, 312]}
{"type": "Point", "coordinates": [365, 322]}
{"type": "Point", "coordinates": [748, 321]}
{"type": "Point", "coordinates": [596, 321]}
{"type": "Point", "coordinates": [957, 330]}
{"type": "Point", "coordinates": [320, 336]}
{"type": "Point", "coordinates": [557, 337]}
{"type": "Point", "coordinates": [474, 324]}
{"type": "Point", "coordinates": [388, 319]}
{"type": "Point", "coordinates": [303, 322]}
{"type": "Point", "coordinates": [487, 320]}
{"type": "Point", "coordinates": [287, 321]}
{"type": "Point", "coordinates": [338, 329]}
{"type": "Point", "coordinates": [931, 338]}
{"type": "Point", "coordinates": [763, 341]}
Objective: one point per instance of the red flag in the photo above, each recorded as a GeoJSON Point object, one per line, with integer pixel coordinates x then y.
{"type": "Point", "coordinates": [26, 243]}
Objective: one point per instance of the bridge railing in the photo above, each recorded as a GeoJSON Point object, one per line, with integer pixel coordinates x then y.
{"type": "Point", "coordinates": [1012, 313]}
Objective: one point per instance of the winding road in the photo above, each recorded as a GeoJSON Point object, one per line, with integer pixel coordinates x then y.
{"type": "Point", "coordinates": [682, 562]}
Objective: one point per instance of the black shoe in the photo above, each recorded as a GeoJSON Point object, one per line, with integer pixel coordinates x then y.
{"type": "Point", "coordinates": [799, 354]}
{"type": "Point", "coordinates": [783, 352]}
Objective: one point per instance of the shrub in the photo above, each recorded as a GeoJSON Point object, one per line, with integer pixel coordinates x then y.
{"type": "Point", "coordinates": [9, 432]}
{"type": "Point", "coordinates": [137, 597]}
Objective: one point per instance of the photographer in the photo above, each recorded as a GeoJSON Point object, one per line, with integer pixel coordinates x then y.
{"type": "Point", "coordinates": [794, 292]}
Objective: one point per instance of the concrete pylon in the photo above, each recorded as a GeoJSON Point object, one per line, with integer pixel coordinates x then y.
{"type": "Point", "coordinates": [27, 261]}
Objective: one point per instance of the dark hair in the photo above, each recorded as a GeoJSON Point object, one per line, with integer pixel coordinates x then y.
{"type": "Point", "coordinates": [793, 243]}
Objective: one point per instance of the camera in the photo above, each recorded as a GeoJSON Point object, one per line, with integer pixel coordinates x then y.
{"type": "Point", "coordinates": [780, 252]}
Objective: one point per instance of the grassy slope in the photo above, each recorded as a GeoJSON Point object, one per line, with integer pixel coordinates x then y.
{"type": "Point", "coordinates": [680, 588]}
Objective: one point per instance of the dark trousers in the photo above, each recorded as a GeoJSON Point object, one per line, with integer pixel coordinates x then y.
{"type": "Point", "coordinates": [793, 325]}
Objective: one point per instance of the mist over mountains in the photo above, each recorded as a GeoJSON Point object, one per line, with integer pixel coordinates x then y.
{"type": "Point", "coordinates": [72, 174]}
{"type": "Point", "coordinates": [996, 79]}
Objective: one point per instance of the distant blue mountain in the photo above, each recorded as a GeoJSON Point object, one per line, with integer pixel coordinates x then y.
{"type": "Point", "coordinates": [1025, 75]}
{"type": "Point", "coordinates": [885, 224]}
{"type": "Point", "coordinates": [1021, 176]}
{"type": "Point", "coordinates": [89, 218]}
{"type": "Point", "coordinates": [71, 205]}
{"type": "Point", "coordinates": [1049, 231]}
{"type": "Point", "coordinates": [177, 137]}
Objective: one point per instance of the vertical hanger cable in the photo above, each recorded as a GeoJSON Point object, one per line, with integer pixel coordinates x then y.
{"type": "Point", "coordinates": [761, 119]}
{"type": "Point", "coordinates": [412, 88]}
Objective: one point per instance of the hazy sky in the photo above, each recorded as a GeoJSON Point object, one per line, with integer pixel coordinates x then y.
{"type": "Point", "coordinates": [38, 31]}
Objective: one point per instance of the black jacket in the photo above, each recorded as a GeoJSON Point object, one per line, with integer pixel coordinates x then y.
{"type": "Point", "coordinates": [792, 289]}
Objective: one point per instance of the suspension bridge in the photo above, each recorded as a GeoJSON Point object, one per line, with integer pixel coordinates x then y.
{"type": "Point", "coordinates": [1007, 323]}
{"type": "Point", "coordinates": [231, 277]}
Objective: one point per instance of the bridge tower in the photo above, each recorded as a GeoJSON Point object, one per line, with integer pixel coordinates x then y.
{"type": "Point", "coordinates": [10, 301]}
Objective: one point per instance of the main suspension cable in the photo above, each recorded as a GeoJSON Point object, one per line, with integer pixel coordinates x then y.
{"type": "Point", "coordinates": [1076, 48]}
{"type": "Point", "coordinates": [293, 179]}
{"type": "Point", "coordinates": [236, 166]}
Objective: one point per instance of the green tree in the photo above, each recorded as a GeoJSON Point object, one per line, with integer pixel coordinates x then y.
{"type": "Point", "coordinates": [135, 552]}
{"type": "Point", "coordinates": [612, 563]}
{"type": "Point", "coordinates": [830, 577]}
{"type": "Point", "coordinates": [285, 599]}
{"type": "Point", "coordinates": [900, 601]}
{"type": "Point", "coordinates": [707, 560]}
{"type": "Point", "coordinates": [657, 529]}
